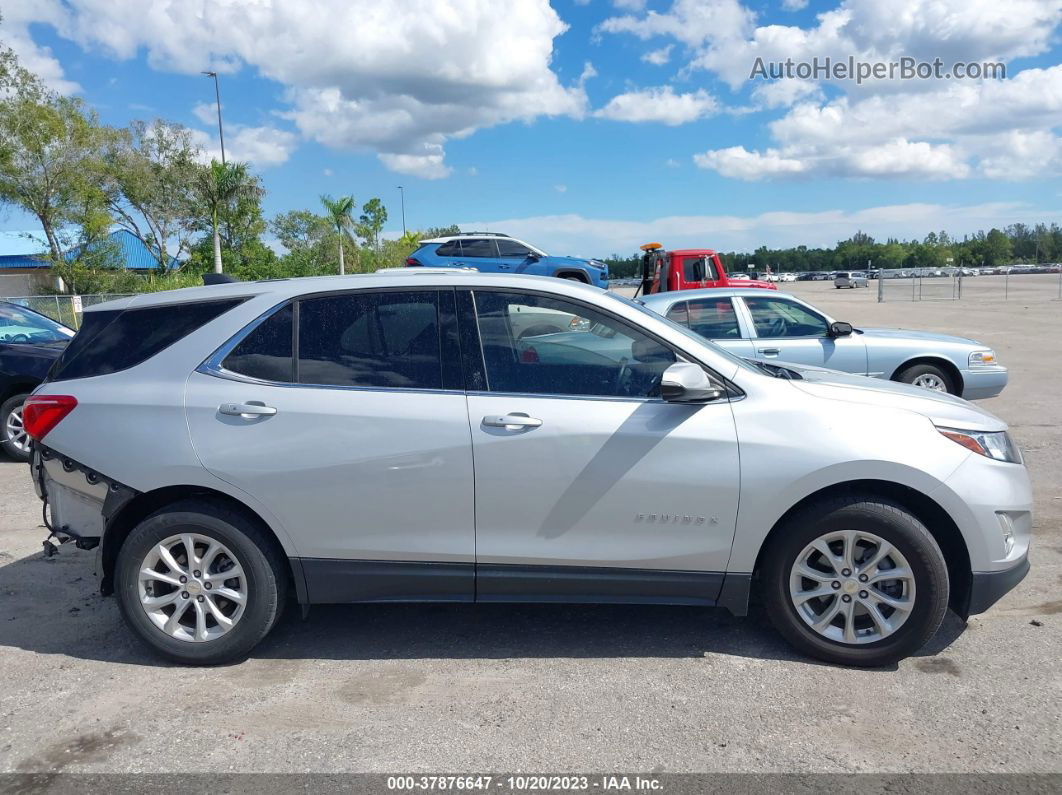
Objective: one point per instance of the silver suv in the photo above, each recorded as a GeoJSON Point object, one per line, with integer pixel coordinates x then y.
{"type": "Point", "coordinates": [442, 435]}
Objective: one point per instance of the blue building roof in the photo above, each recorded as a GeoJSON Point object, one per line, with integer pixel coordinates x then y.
{"type": "Point", "coordinates": [29, 250]}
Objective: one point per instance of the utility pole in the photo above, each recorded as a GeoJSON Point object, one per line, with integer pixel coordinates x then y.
{"type": "Point", "coordinates": [402, 193]}
{"type": "Point", "coordinates": [217, 96]}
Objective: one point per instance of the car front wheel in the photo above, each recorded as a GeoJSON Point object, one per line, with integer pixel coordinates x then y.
{"type": "Point", "coordinates": [928, 376]}
{"type": "Point", "coordinates": [856, 581]}
{"type": "Point", "coordinates": [200, 583]}
{"type": "Point", "coordinates": [13, 436]}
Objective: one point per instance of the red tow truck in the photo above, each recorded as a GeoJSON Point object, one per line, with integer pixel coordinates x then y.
{"type": "Point", "coordinates": [687, 269]}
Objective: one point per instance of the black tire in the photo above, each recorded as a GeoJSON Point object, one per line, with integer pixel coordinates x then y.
{"type": "Point", "coordinates": [894, 524]}
{"type": "Point", "coordinates": [264, 567]}
{"type": "Point", "coordinates": [574, 278]}
{"type": "Point", "coordinates": [909, 374]}
{"type": "Point", "coordinates": [6, 443]}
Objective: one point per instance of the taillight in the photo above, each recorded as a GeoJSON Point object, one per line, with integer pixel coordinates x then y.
{"type": "Point", "coordinates": [41, 413]}
{"type": "Point", "coordinates": [412, 262]}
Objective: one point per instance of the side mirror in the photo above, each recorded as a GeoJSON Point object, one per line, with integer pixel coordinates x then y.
{"type": "Point", "coordinates": [531, 255]}
{"type": "Point", "coordinates": [685, 382]}
{"type": "Point", "coordinates": [839, 328]}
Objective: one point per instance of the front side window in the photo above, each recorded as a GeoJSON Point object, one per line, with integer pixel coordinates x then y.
{"type": "Point", "coordinates": [478, 247]}
{"type": "Point", "coordinates": [510, 248]}
{"type": "Point", "coordinates": [266, 353]}
{"type": "Point", "coordinates": [714, 318]}
{"type": "Point", "coordinates": [18, 325]}
{"type": "Point", "coordinates": [777, 317]}
{"type": "Point", "coordinates": [384, 339]}
{"type": "Point", "coordinates": [589, 353]}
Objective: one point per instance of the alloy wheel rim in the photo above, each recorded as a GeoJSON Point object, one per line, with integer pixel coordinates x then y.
{"type": "Point", "coordinates": [15, 430]}
{"type": "Point", "coordinates": [852, 587]}
{"type": "Point", "coordinates": [192, 587]}
{"type": "Point", "coordinates": [930, 381]}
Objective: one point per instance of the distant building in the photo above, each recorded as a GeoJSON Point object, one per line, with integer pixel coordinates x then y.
{"type": "Point", "coordinates": [25, 269]}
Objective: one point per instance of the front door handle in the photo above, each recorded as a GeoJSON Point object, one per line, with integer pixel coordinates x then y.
{"type": "Point", "coordinates": [514, 419]}
{"type": "Point", "coordinates": [769, 351]}
{"type": "Point", "coordinates": [248, 410]}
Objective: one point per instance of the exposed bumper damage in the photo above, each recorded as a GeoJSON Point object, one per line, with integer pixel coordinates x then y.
{"type": "Point", "coordinates": [78, 501]}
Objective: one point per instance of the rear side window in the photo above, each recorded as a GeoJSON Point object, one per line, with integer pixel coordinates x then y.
{"type": "Point", "coordinates": [451, 249]}
{"type": "Point", "coordinates": [387, 339]}
{"type": "Point", "coordinates": [266, 353]}
{"type": "Point", "coordinates": [714, 318]}
{"type": "Point", "coordinates": [109, 341]}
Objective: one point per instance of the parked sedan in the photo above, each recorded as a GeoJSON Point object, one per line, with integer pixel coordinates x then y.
{"type": "Point", "coordinates": [781, 327]}
{"type": "Point", "coordinates": [29, 343]}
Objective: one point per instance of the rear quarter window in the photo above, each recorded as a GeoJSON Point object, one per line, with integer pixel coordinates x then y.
{"type": "Point", "coordinates": [110, 341]}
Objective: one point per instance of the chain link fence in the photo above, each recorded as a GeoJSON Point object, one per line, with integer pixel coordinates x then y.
{"type": "Point", "coordinates": [66, 309]}
{"type": "Point", "coordinates": [953, 284]}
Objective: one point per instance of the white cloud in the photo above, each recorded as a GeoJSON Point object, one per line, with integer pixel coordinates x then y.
{"type": "Point", "coordinates": [658, 57]}
{"type": "Point", "coordinates": [14, 32]}
{"type": "Point", "coordinates": [659, 105]}
{"type": "Point", "coordinates": [918, 129]}
{"type": "Point", "coordinates": [794, 5]}
{"type": "Point", "coordinates": [629, 5]}
{"type": "Point", "coordinates": [261, 146]}
{"type": "Point", "coordinates": [327, 172]}
{"type": "Point", "coordinates": [206, 112]}
{"type": "Point", "coordinates": [404, 77]}
{"type": "Point", "coordinates": [579, 235]}
{"type": "Point", "coordinates": [560, 188]}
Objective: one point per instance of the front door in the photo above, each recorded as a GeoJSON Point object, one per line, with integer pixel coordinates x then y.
{"type": "Point", "coordinates": [579, 463]}
{"type": "Point", "coordinates": [790, 331]}
{"type": "Point", "coordinates": [358, 441]}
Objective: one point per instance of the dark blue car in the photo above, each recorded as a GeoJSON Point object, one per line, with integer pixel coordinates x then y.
{"type": "Point", "coordinates": [492, 252]}
{"type": "Point", "coordinates": [29, 343]}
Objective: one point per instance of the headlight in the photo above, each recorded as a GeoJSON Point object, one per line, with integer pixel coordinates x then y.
{"type": "Point", "coordinates": [982, 358]}
{"type": "Point", "coordinates": [997, 445]}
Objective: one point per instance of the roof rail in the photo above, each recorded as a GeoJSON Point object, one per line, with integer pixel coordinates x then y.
{"type": "Point", "coordinates": [482, 234]}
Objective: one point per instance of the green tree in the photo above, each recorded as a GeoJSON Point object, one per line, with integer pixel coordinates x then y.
{"type": "Point", "coordinates": [151, 179]}
{"type": "Point", "coordinates": [50, 152]}
{"type": "Point", "coordinates": [996, 248]}
{"type": "Point", "coordinates": [341, 215]}
{"type": "Point", "coordinates": [372, 220]}
{"type": "Point", "coordinates": [222, 187]}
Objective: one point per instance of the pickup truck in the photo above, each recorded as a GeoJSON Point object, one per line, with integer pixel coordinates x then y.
{"type": "Point", "coordinates": [687, 269]}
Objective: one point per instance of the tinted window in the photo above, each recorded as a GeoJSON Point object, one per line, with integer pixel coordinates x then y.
{"type": "Point", "coordinates": [714, 318]}
{"type": "Point", "coordinates": [18, 325]}
{"type": "Point", "coordinates": [109, 341]}
{"type": "Point", "coordinates": [478, 247]}
{"type": "Point", "coordinates": [266, 352]}
{"type": "Point", "coordinates": [697, 268]}
{"type": "Point", "coordinates": [510, 248]}
{"type": "Point", "coordinates": [540, 345]}
{"type": "Point", "coordinates": [451, 249]}
{"type": "Point", "coordinates": [777, 317]}
{"type": "Point", "coordinates": [371, 339]}
{"type": "Point", "coordinates": [680, 314]}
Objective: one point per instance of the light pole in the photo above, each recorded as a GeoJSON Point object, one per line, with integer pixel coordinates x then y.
{"type": "Point", "coordinates": [402, 193]}
{"type": "Point", "coordinates": [217, 95]}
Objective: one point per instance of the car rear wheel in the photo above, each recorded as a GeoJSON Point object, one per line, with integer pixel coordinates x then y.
{"type": "Point", "coordinates": [928, 376]}
{"type": "Point", "coordinates": [856, 581]}
{"type": "Point", "coordinates": [13, 437]}
{"type": "Point", "coordinates": [200, 583]}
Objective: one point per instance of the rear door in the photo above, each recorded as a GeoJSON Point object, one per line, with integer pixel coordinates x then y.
{"type": "Point", "coordinates": [345, 415]}
{"type": "Point", "coordinates": [790, 331]}
{"type": "Point", "coordinates": [716, 319]}
{"type": "Point", "coordinates": [481, 253]}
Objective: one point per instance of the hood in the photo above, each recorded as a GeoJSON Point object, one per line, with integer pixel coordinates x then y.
{"type": "Point", "coordinates": [939, 407]}
{"type": "Point", "coordinates": [906, 334]}
{"type": "Point", "coordinates": [580, 261]}
{"type": "Point", "coordinates": [763, 285]}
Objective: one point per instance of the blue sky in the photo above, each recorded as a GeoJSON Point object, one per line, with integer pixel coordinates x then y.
{"type": "Point", "coordinates": [589, 127]}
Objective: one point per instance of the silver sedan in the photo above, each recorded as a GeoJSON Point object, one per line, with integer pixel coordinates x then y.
{"type": "Point", "coordinates": [781, 328]}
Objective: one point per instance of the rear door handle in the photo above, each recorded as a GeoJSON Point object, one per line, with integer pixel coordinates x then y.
{"type": "Point", "coordinates": [769, 351]}
{"type": "Point", "coordinates": [252, 408]}
{"type": "Point", "coordinates": [514, 419]}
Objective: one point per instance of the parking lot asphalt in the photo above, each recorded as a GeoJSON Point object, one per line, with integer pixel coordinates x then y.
{"type": "Point", "coordinates": [560, 688]}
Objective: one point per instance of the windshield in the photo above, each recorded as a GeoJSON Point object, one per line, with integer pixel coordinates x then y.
{"type": "Point", "coordinates": [21, 325]}
{"type": "Point", "coordinates": [737, 361]}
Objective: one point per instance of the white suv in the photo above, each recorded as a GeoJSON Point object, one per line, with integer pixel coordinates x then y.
{"type": "Point", "coordinates": [443, 435]}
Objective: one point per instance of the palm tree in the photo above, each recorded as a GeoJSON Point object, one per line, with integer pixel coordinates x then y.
{"type": "Point", "coordinates": [218, 186]}
{"type": "Point", "coordinates": [341, 215]}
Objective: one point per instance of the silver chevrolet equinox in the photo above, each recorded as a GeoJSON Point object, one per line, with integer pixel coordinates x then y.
{"type": "Point", "coordinates": [448, 436]}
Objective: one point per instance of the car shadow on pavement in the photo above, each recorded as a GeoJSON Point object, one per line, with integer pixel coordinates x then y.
{"type": "Point", "coordinates": [51, 606]}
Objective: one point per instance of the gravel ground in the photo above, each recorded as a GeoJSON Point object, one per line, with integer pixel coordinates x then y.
{"type": "Point", "coordinates": [557, 688]}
